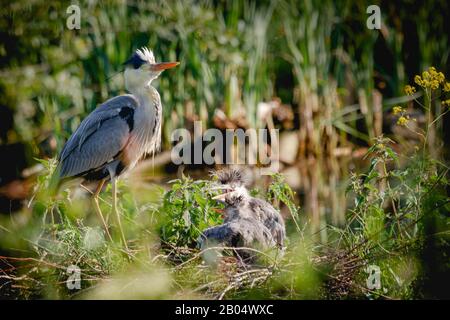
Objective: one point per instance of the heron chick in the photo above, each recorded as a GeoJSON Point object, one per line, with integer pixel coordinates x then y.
{"type": "Point", "coordinates": [248, 221]}
{"type": "Point", "coordinates": [118, 133]}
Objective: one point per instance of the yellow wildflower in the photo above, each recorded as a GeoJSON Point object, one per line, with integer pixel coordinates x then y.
{"type": "Point", "coordinates": [434, 84]}
{"type": "Point", "coordinates": [439, 76]}
{"type": "Point", "coordinates": [430, 79]}
{"type": "Point", "coordinates": [446, 87]}
{"type": "Point", "coordinates": [410, 90]}
{"type": "Point", "coordinates": [418, 80]}
{"type": "Point", "coordinates": [402, 121]}
{"type": "Point", "coordinates": [446, 102]}
{"type": "Point", "coordinates": [397, 110]}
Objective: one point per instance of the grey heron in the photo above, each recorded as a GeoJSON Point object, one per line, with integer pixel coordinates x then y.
{"type": "Point", "coordinates": [248, 221]}
{"type": "Point", "coordinates": [118, 133]}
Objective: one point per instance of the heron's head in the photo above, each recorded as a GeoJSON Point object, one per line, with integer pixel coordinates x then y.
{"type": "Point", "coordinates": [232, 186]}
{"type": "Point", "coordinates": [141, 69]}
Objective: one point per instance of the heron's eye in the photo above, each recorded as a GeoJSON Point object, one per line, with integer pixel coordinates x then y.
{"type": "Point", "coordinates": [135, 61]}
{"type": "Point", "coordinates": [138, 63]}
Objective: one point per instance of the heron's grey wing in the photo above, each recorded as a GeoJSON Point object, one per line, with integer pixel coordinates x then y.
{"type": "Point", "coordinates": [219, 235]}
{"type": "Point", "coordinates": [271, 219]}
{"type": "Point", "coordinates": [238, 233]}
{"type": "Point", "coordinates": [242, 234]}
{"type": "Point", "coordinates": [100, 137]}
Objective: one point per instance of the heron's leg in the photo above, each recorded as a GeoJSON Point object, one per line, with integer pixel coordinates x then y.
{"type": "Point", "coordinates": [115, 211]}
{"type": "Point", "coordinates": [97, 207]}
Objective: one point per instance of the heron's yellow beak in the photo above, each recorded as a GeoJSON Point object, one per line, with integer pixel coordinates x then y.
{"type": "Point", "coordinates": [226, 191]}
{"type": "Point", "coordinates": [163, 66]}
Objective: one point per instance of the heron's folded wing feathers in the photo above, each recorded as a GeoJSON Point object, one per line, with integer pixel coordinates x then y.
{"type": "Point", "coordinates": [220, 234]}
{"type": "Point", "coordinates": [271, 218]}
{"type": "Point", "coordinates": [99, 138]}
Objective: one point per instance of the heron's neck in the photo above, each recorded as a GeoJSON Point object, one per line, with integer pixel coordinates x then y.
{"type": "Point", "coordinates": [138, 90]}
{"type": "Point", "coordinates": [144, 94]}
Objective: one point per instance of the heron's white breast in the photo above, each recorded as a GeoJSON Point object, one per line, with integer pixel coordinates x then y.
{"type": "Point", "coordinates": [145, 137]}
